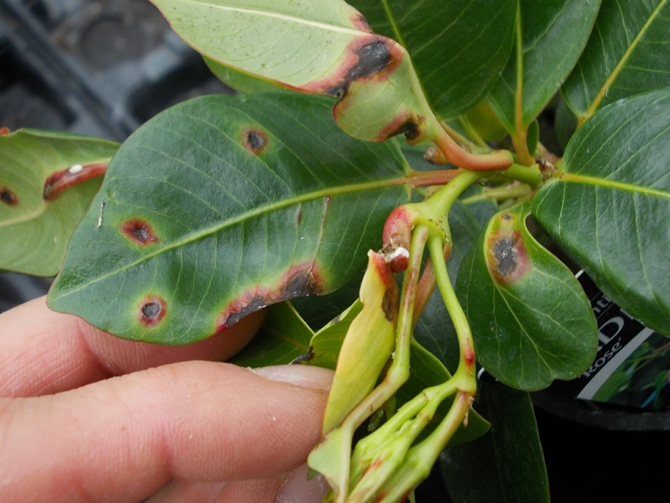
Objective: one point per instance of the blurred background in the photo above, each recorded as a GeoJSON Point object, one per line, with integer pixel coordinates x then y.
{"type": "Point", "coordinates": [102, 68]}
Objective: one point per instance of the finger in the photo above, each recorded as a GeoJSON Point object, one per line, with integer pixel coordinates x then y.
{"type": "Point", "coordinates": [293, 487]}
{"type": "Point", "coordinates": [126, 437]}
{"type": "Point", "coordinates": [44, 352]}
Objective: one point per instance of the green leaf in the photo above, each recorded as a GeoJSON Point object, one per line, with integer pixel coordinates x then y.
{"type": "Point", "coordinates": [609, 210]}
{"type": "Point", "coordinates": [327, 342]}
{"type": "Point", "coordinates": [36, 229]}
{"type": "Point", "coordinates": [458, 47]}
{"type": "Point", "coordinates": [322, 48]}
{"type": "Point", "coordinates": [506, 464]}
{"type": "Point", "coordinates": [238, 80]}
{"type": "Point", "coordinates": [283, 337]}
{"type": "Point", "coordinates": [222, 205]}
{"type": "Point", "coordinates": [550, 36]}
{"type": "Point", "coordinates": [627, 54]}
{"type": "Point", "coordinates": [531, 321]}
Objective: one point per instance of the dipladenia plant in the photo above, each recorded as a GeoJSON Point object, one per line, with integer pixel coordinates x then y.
{"type": "Point", "coordinates": [224, 205]}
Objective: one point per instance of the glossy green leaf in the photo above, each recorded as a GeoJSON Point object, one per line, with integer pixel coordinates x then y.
{"type": "Point", "coordinates": [321, 48]}
{"type": "Point", "coordinates": [627, 54]}
{"type": "Point", "coordinates": [458, 47]}
{"type": "Point", "coordinates": [531, 321]}
{"type": "Point", "coordinates": [610, 209]}
{"type": "Point", "coordinates": [507, 463]}
{"type": "Point", "coordinates": [550, 36]}
{"type": "Point", "coordinates": [37, 230]}
{"type": "Point", "coordinates": [283, 337]}
{"type": "Point", "coordinates": [222, 205]}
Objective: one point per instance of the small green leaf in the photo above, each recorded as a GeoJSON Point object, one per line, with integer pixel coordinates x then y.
{"type": "Point", "coordinates": [222, 205]}
{"type": "Point", "coordinates": [627, 54]}
{"type": "Point", "coordinates": [609, 210]}
{"type": "Point", "coordinates": [37, 230]}
{"type": "Point", "coordinates": [327, 342]}
{"type": "Point", "coordinates": [283, 337]}
{"type": "Point", "coordinates": [458, 47]}
{"type": "Point", "coordinates": [531, 321]}
{"type": "Point", "coordinates": [550, 36]}
{"type": "Point", "coordinates": [507, 463]}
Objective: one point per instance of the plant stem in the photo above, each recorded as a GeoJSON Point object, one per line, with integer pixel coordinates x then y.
{"type": "Point", "coordinates": [527, 174]}
{"type": "Point", "coordinates": [427, 178]}
{"type": "Point", "coordinates": [466, 367]}
{"type": "Point", "coordinates": [500, 159]}
{"type": "Point", "coordinates": [511, 191]}
{"type": "Point", "coordinates": [421, 457]}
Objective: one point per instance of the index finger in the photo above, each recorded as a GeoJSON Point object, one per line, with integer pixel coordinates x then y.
{"type": "Point", "coordinates": [44, 352]}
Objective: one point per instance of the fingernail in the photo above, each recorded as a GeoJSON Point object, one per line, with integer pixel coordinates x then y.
{"type": "Point", "coordinates": [297, 489]}
{"type": "Point", "coordinates": [304, 376]}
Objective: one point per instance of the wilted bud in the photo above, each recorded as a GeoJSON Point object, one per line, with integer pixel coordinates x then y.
{"type": "Point", "coordinates": [368, 344]}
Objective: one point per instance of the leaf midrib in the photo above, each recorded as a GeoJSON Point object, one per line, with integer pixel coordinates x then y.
{"type": "Point", "coordinates": [622, 62]}
{"type": "Point", "coordinates": [612, 184]}
{"type": "Point", "coordinates": [310, 196]}
{"type": "Point", "coordinates": [284, 17]}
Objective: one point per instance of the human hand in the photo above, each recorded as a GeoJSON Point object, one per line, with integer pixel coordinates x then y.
{"type": "Point", "coordinates": [86, 416]}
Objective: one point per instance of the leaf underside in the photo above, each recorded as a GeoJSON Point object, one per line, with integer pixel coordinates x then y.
{"type": "Point", "coordinates": [220, 206]}
{"type": "Point", "coordinates": [610, 210]}
{"type": "Point", "coordinates": [36, 230]}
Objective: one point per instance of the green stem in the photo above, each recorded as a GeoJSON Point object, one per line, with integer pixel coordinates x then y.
{"type": "Point", "coordinates": [466, 368]}
{"type": "Point", "coordinates": [500, 159]}
{"type": "Point", "coordinates": [527, 174]}
{"type": "Point", "coordinates": [421, 457]}
{"type": "Point", "coordinates": [500, 193]}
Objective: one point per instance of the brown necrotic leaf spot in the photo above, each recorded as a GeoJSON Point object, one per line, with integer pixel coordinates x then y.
{"type": "Point", "coordinates": [151, 311]}
{"type": "Point", "coordinates": [254, 140]}
{"type": "Point", "coordinates": [8, 197]}
{"type": "Point", "coordinates": [139, 231]}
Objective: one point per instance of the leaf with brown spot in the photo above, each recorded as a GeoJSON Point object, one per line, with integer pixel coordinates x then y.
{"type": "Point", "coordinates": [530, 318]}
{"type": "Point", "coordinates": [191, 215]}
{"type": "Point", "coordinates": [37, 229]}
{"type": "Point", "coordinates": [315, 47]}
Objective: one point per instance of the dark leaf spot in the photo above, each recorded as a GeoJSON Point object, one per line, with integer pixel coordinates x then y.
{"type": "Point", "coordinates": [388, 306]}
{"type": "Point", "coordinates": [298, 281]}
{"type": "Point", "coordinates": [139, 231]}
{"type": "Point", "coordinates": [152, 310]}
{"type": "Point", "coordinates": [8, 197]}
{"type": "Point", "coordinates": [372, 58]}
{"type": "Point", "coordinates": [409, 129]}
{"type": "Point", "coordinates": [304, 358]}
{"type": "Point", "coordinates": [506, 254]}
{"type": "Point", "coordinates": [254, 140]}
{"type": "Point", "coordinates": [506, 216]}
